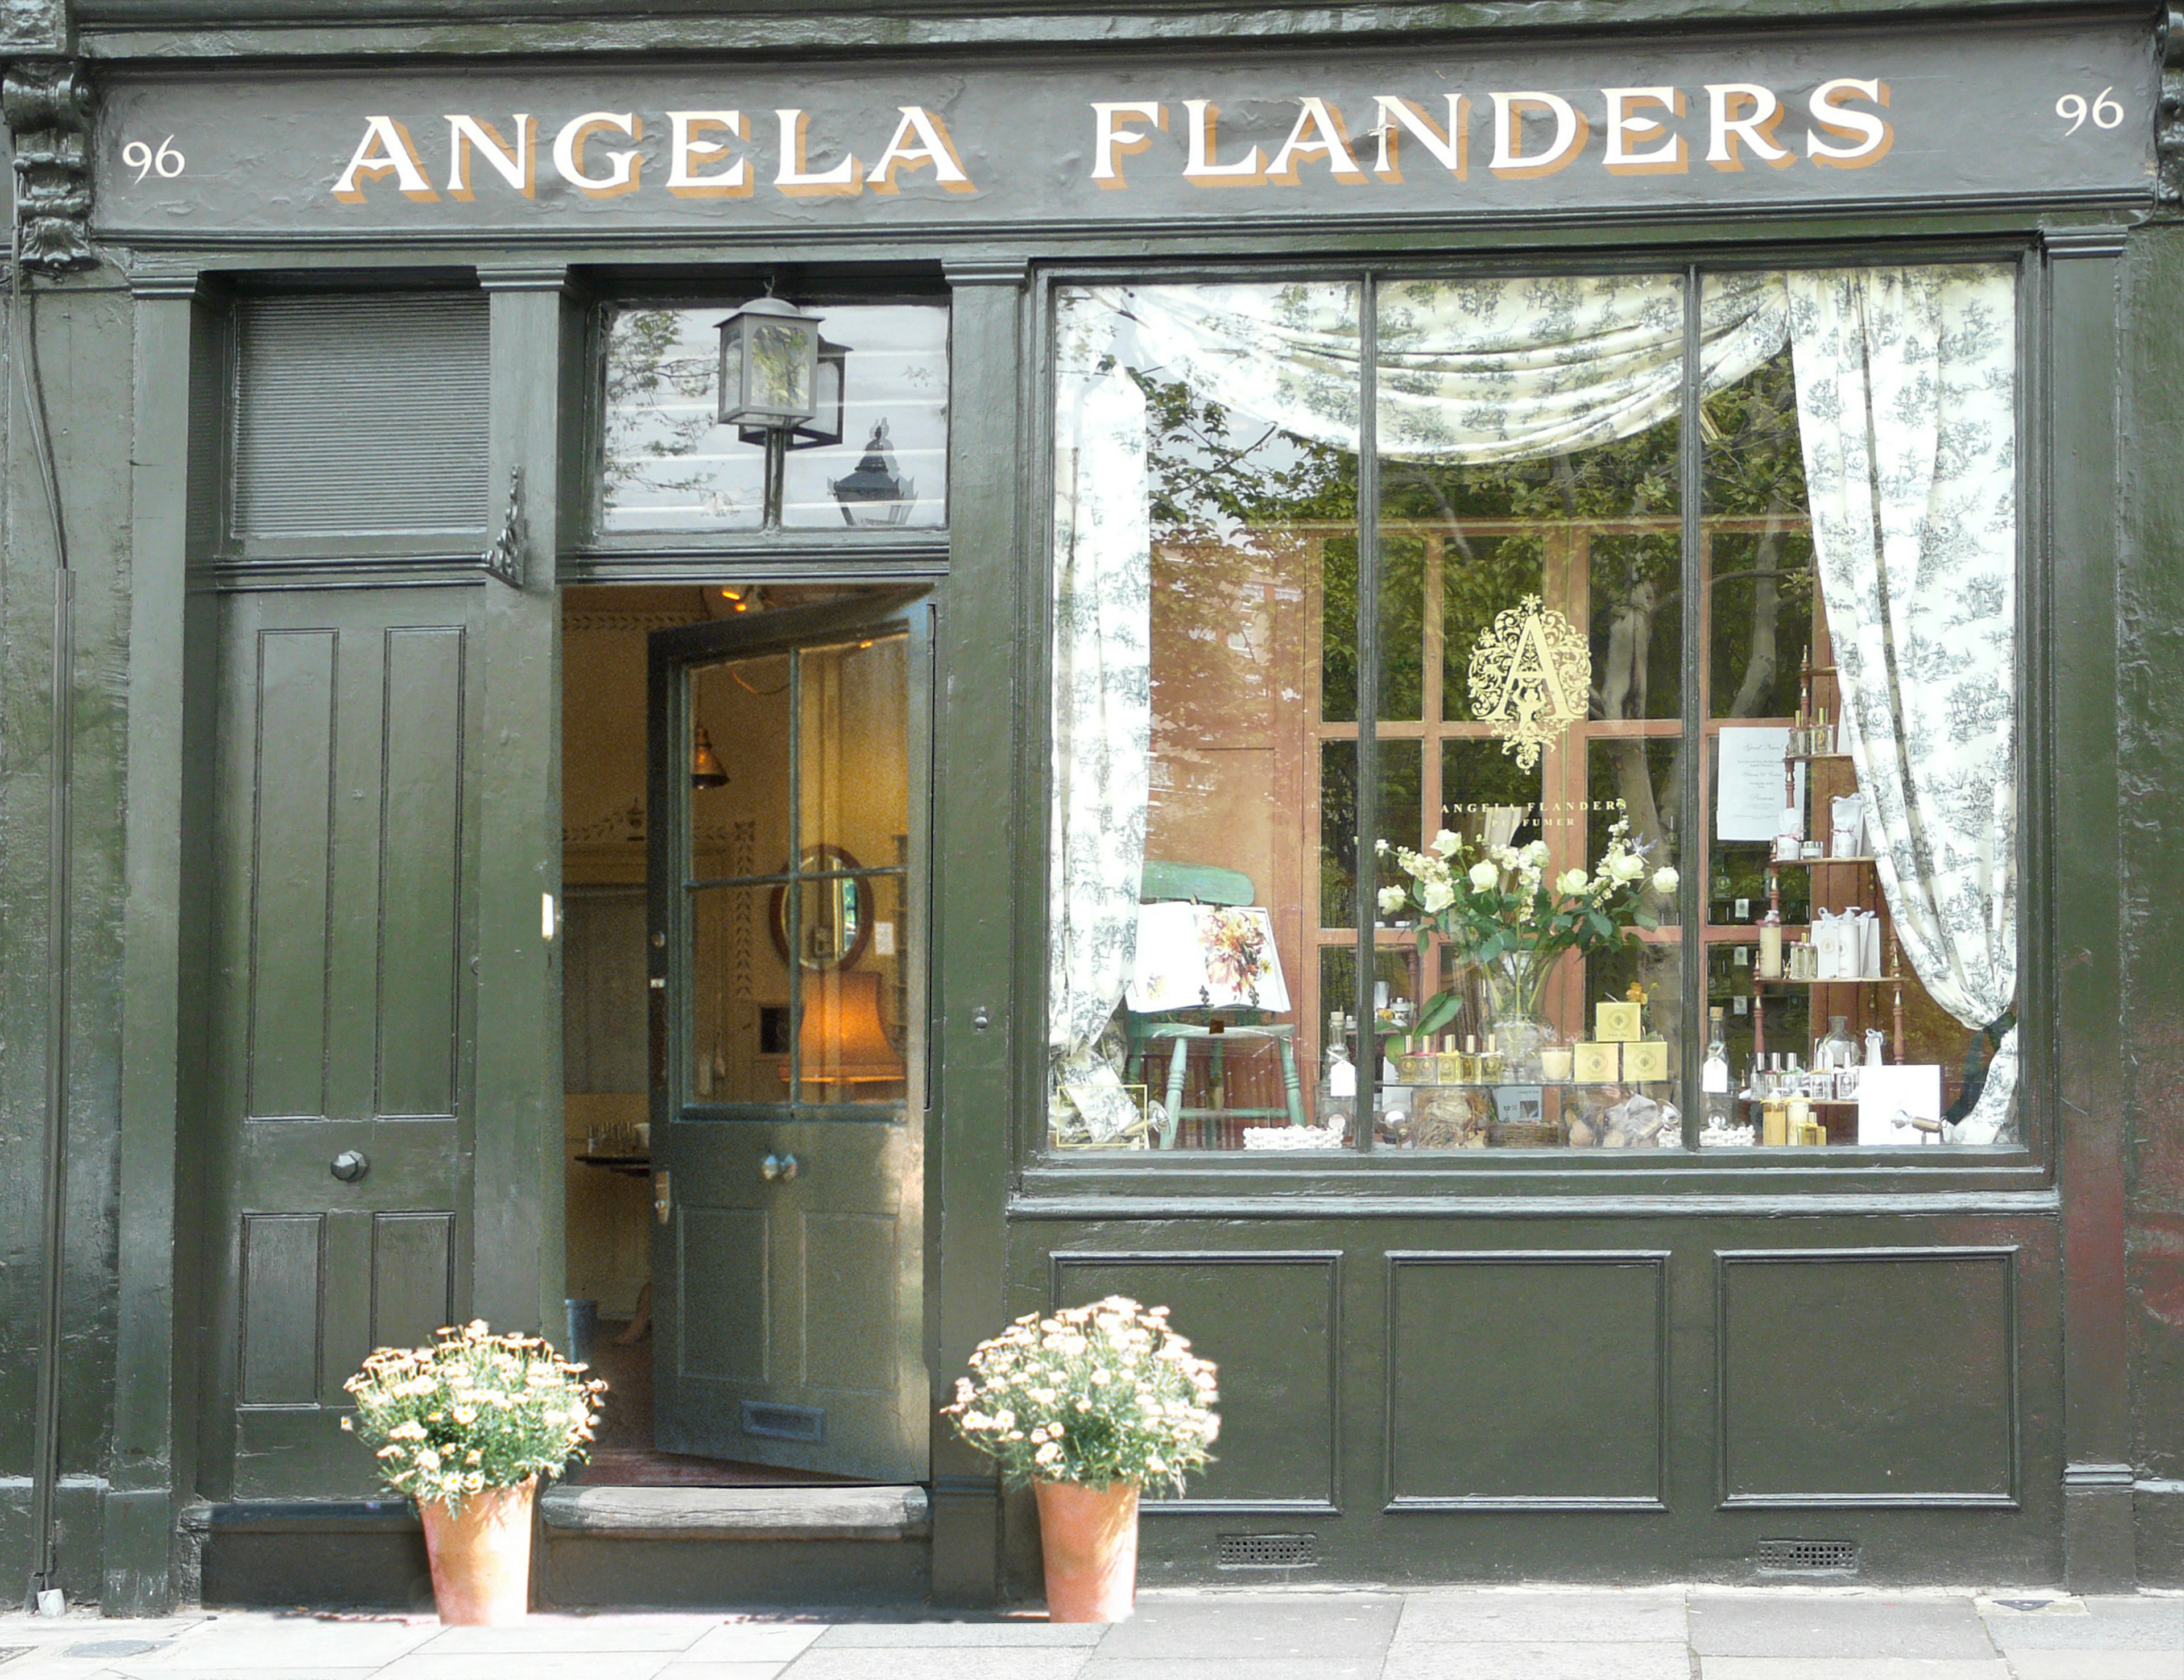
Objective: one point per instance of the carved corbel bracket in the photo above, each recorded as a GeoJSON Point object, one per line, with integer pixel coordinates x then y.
{"type": "Point", "coordinates": [506, 560]}
{"type": "Point", "coordinates": [48, 105]}
{"type": "Point", "coordinates": [2169, 120]}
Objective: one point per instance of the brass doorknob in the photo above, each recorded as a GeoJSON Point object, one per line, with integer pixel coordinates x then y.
{"type": "Point", "coordinates": [778, 1169]}
{"type": "Point", "coordinates": [349, 1166]}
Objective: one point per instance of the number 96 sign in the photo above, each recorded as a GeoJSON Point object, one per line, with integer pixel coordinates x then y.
{"type": "Point", "coordinates": [166, 163]}
{"type": "Point", "coordinates": [2073, 110]}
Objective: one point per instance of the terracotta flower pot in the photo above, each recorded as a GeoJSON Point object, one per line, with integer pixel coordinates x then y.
{"type": "Point", "coordinates": [482, 1558]}
{"type": "Point", "coordinates": [1090, 1538]}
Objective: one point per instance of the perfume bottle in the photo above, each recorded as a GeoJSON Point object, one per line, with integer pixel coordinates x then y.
{"type": "Point", "coordinates": [1713, 1074]}
{"type": "Point", "coordinates": [1491, 1063]}
{"type": "Point", "coordinates": [1770, 944]}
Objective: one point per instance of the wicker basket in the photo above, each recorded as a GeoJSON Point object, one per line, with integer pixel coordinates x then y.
{"type": "Point", "coordinates": [1524, 1134]}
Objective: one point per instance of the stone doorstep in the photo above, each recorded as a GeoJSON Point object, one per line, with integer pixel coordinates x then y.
{"type": "Point", "coordinates": [632, 1513]}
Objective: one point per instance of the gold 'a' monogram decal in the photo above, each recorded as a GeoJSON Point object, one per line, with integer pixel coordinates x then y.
{"type": "Point", "coordinates": [1531, 672]}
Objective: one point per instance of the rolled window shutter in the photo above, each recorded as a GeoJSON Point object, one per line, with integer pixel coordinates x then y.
{"type": "Point", "coordinates": [361, 416]}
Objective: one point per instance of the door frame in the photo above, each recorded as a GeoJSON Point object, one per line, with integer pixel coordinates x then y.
{"type": "Point", "coordinates": [881, 608]}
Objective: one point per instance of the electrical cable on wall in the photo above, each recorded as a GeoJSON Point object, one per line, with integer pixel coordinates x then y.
{"type": "Point", "coordinates": [27, 383]}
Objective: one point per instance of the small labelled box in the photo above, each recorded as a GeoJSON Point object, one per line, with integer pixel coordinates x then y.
{"type": "Point", "coordinates": [1597, 1064]}
{"type": "Point", "coordinates": [1615, 1023]}
{"type": "Point", "coordinates": [1648, 1059]}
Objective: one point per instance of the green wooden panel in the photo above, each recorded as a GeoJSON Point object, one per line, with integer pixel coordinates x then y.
{"type": "Point", "coordinates": [420, 870]}
{"type": "Point", "coordinates": [413, 1277]}
{"type": "Point", "coordinates": [291, 871]}
{"type": "Point", "coordinates": [1869, 1377]}
{"type": "Point", "coordinates": [280, 1291]}
{"type": "Point", "coordinates": [724, 1281]}
{"type": "Point", "coordinates": [850, 1301]}
{"type": "Point", "coordinates": [1207, 883]}
{"type": "Point", "coordinates": [1268, 1321]}
{"type": "Point", "coordinates": [1525, 1379]}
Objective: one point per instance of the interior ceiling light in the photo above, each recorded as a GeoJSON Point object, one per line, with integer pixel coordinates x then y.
{"type": "Point", "coordinates": [705, 769]}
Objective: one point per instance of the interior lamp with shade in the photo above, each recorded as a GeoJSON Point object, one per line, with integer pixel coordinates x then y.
{"type": "Point", "coordinates": [841, 1039]}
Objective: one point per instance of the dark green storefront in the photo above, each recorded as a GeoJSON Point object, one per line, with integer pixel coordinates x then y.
{"type": "Point", "coordinates": [373, 551]}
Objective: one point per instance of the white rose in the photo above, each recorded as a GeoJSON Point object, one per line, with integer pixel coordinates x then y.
{"type": "Point", "coordinates": [1445, 843]}
{"type": "Point", "coordinates": [1438, 896]}
{"type": "Point", "coordinates": [1664, 881]}
{"type": "Point", "coordinates": [1626, 866]}
{"type": "Point", "coordinates": [1484, 876]}
{"type": "Point", "coordinates": [1534, 854]}
{"type": "Point", "coordinates": [1392, 898]}
{"type": "Point", "coordinates": [1571, 880]}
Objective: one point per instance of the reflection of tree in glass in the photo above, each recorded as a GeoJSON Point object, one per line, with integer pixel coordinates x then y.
{"type": "Point", "coordinates": [643, 374]}
{"type": "Point", "coordinates": [778, 357]}
{"type": "Point", "coordinates": [1756, 468]}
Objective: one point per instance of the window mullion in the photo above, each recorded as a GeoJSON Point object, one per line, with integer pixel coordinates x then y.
{"type": "Point", "coordinates": [1692, 1052]}
{"type": "Point", "coordinates": [1366, 897]}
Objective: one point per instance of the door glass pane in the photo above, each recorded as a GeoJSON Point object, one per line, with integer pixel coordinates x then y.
{"type": "Point", "coordinates": [737, 1034]}
{"type": "Point", "coordinates": [876, 454]}
{"type": "Point", "coordinates": [739, 712]}
{"type": "Point", "coordinates": [851, 1034]}
{"type": "Point", "coordinates": [853, 779]}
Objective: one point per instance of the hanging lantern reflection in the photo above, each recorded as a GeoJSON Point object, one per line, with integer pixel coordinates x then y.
{"type": "Point", "coordinates": [875, 494]}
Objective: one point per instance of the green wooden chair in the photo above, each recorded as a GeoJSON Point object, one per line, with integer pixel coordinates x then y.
{"type": "Point", "coordinates": [1206, 884]}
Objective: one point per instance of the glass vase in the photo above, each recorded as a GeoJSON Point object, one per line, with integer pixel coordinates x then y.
{"type": "Point", "coordinates": [1514, 980]}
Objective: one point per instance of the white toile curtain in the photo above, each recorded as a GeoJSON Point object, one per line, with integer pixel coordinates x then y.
{"type": "Point", "coordinates": [1907, 405]}
{"type": "Point", "coordinates": [1905, 398]}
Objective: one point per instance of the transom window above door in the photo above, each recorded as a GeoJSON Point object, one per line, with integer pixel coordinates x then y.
{"type": "Point", "coordinates": [867, 448]}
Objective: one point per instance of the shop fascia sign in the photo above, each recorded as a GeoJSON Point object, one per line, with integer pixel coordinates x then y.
{"type": "Point", "coordinates": [1533, 132]}
{"type": "Point", "coordinates": [2060, 112]}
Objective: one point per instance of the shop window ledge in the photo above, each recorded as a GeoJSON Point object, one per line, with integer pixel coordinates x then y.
{"type": "Point", "coordinates": [885, 1513]}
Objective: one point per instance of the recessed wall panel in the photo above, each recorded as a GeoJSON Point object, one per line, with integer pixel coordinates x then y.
{"type": "Point", "coordinates": [1525, 1379]}
{"type": "Point", "coordinates": [1867, 1376]}
{"type": "Point", "coordinates": [1269, 1321]}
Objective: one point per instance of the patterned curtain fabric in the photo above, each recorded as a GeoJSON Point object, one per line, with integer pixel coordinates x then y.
{"type": "Point", "coordinates": [1906, 403]}
{"type": "Point", "coordinates": [1102, 715]}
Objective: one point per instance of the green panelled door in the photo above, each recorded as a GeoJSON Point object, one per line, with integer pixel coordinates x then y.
{"type": "Point", "coordinates": [787, 871]}
{"type": "Point", "coordinates": [347, 835]}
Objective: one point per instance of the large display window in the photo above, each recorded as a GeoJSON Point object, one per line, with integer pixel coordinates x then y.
{"type": "Point", "coordinates": [1539, 712]}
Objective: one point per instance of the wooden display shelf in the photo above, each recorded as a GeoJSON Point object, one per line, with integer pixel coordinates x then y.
{"type": "Point", "coordinates": [1857, 980]}
{"type": "Point", "coordinates": [1807, 863]}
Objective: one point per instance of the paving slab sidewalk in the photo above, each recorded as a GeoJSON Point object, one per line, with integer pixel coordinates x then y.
{"type": "Point", "coordinates": [1296, 1633]}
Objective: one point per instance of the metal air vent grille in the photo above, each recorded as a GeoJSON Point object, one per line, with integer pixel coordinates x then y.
{"type": "Point", "coordinates": [1269, 1551]}
{"type": "Point", "coordinates": [1808, 1557]}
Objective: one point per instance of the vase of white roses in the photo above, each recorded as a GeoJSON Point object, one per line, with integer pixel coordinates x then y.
{"type": "Point", "coordinates": [1497, 910]}
{"type": "Point", "coordinates": [466, 1427]}
{"type": "Point", "coordinates": [1090, 1405]}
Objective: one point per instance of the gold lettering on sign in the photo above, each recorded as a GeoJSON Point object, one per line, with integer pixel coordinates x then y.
{"type": "Point", "coordinates": [1200, 169]}
{"type": "Point", "coordinates": [687, 151]}
{"type": "Point", "coordinates": [1755, 128]}
{"type": "Point", "coordinates": [1873, 134]}
{"type": "Point", "coordinates": [1111, 140]}
{"type": "Point", "coordinates": [796, 177]}
{"type": "Point", "coordinates": [622, 167]}
{"type": "Point", "coordinates": [1531, 678]}
{"type": "Point", "coordinates": [1572, 130]}
{"type": "Point", "coordinates": [1669, 156]}
{"type": "Point", "coordinates": [1450, 149]}
{"type": "Point", "coordinates": [385, 150]}
{"type": "Point", "coordinates": [1315, 117]}
{"type": "Point", "coordinates": [920, 140]}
